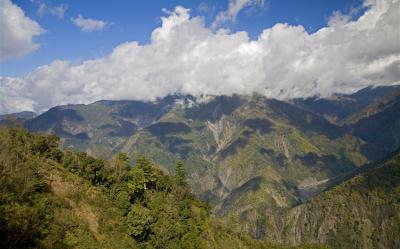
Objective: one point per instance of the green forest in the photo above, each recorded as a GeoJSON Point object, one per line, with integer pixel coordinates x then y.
{"type": "Point", "coordinates": [64, 199]}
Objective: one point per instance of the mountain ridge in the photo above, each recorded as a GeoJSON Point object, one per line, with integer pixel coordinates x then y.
{"type": "Point", "coordinates": [244, 153]}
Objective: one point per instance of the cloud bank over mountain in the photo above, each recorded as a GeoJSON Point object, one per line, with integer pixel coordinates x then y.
{"type": "Point", "coordinates": [188, 57]}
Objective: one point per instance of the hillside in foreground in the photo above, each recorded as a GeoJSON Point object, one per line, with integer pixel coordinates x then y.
{"type": "Point", "coordinates": [55, 199]}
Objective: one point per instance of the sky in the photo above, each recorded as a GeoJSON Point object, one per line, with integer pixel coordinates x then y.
{"type": "Point", "coordinates": [56, 52]}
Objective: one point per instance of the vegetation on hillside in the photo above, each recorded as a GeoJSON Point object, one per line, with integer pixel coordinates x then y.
{"type": "Point", "coordinates": [363, 212]}
{"type": "Point", "coordinates": [55, 199]}
{"type": "Point", "coordinates": [246, 152]}
{"type": "Point", "coordinates": [260, 164]}
{"type": "Point", "coordinates": [360, 213]}
{"type": "Point", "coordinates": [241, 152]}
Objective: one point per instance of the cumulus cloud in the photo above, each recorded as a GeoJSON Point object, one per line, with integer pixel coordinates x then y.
{"type": "Point", "coordinates": [87, 24]}
{"type": "Point", "coordinates": [17, 31]}
{"type": "Point", "coordinates": [188, 57]}
{"type": "Point", "coordinates": [235, 6]}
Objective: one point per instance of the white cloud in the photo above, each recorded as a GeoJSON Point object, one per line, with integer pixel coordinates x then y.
{"type": "Point", "coordinates": [235, 6]}
{"type": "Point", "coordinates": [17, 31]}
{"type": "Point", "coordinates": [58, 10]}
{"type": "Point", "coordinates": [87, 24]}
{"type": "Point", "coordinates": [11, 97]}
{"type": "Point", "coordinates": [55, 10]}
{"type": "Point", "coordinates": [186, 56]}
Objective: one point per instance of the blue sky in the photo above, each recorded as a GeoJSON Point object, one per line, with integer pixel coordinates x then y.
{"type": "Point", "coordinates": [135, 20]}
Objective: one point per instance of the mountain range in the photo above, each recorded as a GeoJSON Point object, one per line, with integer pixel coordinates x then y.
{"type": "Point", "coordinates": [280, 170]}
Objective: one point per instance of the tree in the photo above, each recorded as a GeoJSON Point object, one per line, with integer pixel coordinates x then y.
{"type": "Point", "coordinates": [180, 174]}
{"type": "Point", "coordinates": [120, 166]}
{"type": "Point", "coordinates": [138, 222]}
{"type": "Point", "coordinates": [136, 183]}
{"type": "Point", "coordinates": [121, 196]}
{"type": "Point", "coordinates": [146, 166]}
{"type": "Point", "coordinates": [86, 166]}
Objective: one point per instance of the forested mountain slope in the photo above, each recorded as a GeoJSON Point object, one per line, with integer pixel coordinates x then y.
{"type": "Point", "coordinates": [379, 123]}
{"type": "Point", "coordinates": [55, 199]}
{"type": "Point", "coordinates": [250, 150]}
{"type": "Point", "coordinates": [250, 157]}
{"type": "Point", "coordinates": [363, 212]}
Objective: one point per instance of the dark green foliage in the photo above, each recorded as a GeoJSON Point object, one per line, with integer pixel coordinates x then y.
{"type": "Point", "coordinates": [119, 167]}
{"type": "Point", "coordinates": [162, 209]}
{"type": "Point", "coordinates": [257, 124]}
{"type": "Point", "coordinates": [86, 166]}
{"type": "Point", "coordinates": [26, 204]}
{"type": "Point", "coordinates": [180, 174]}
{"type": "Point", "coordinates": [138, 222]}
{"type": "Point", "coordinates": [149, 176]}
{"type": "Point", "coordinates": [163, 128]}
